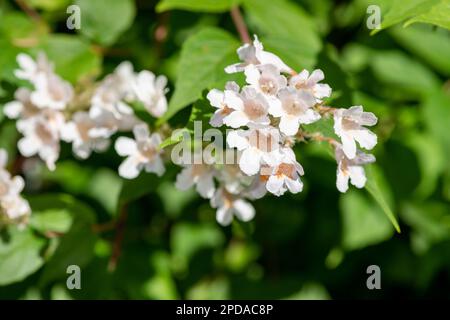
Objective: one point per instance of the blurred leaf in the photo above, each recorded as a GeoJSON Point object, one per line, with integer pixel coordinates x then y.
{"type": "Point", "coordinates": [430, 221]}
{"type": "Point", "coordinates": [396, 69]}
{"type": "Point", "coordinates": [378, 189]}
{"type": "Point", "coordinates": [431, 159]}
{"type": "Point", "coordinates": [174, 200]}
{"type": "Point", "coordinates": [287, 30]}
{"type": "Point", "coordinates": [431, 45]}
{"type": "Point", "coordinates": [210, 289]}
{"type": "Point", "coordinates": [188, 239]}
{"type": "Point", "coordinates": [76, 247]}
{"type": "Point", "coordinates": [363, 221]}
{"type": "Point", "coordinates": [239, 255]}
{"type": "Point", "coordinates": [197, 5]}
{"type": "Point", "coordinates": [203, 59]}
{"type": "Point", "coordinates": [408, 12]}
{"type": "Point", "coordinates": [311, 291]}
{"type": "Point", "coordinates": [161, 285]}
{"type": "Point", "coordinates": [49, 5]}
{"type": "Point", "coordinates": [73, 57]}
{"type": "Point", "coordinates": [137, 188]}
{"type": "Point", "coordinates": [19, 255]}
{"type": "Point", "coordinates": [57, 220]}
{"type": "Point", "coordinates": [103, 21]}
{"type": "Point", "coordinates": [436, 115]}
{"type": "Point", "coordinates": [105, 186]}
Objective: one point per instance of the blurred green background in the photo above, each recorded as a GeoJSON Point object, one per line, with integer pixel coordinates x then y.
{"type": "Point", "coordinates": [314, 245]}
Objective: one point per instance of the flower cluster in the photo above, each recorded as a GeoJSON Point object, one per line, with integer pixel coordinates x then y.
{"type": "Point", "coordinates": [264, 118]}
{"type": "Point", "coordinates": [54, 110]}
{"type": "Point", "coordinates": [13, 208]}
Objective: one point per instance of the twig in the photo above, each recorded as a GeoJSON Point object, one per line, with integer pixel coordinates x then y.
{"type": "Point", "coordinates": [240, 25]}
{"type": "Point", "coordinates": [117, 246]}
{"type": "Point", "coordinates": [33, 14]}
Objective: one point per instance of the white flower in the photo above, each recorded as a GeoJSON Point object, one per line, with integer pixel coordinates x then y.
{"type": "Point", "coordinates": [255, 54]}
{"type": "Point", "coordinates": [12, 206]}
{"type": "Point", "coordinates": [30, 69]}
{"type": "Point", "coordinates": [229, 205]}
{"type": "Point", "coordinates": [51, 92]}
{"type": "Point", "coordinates": [124, 78]}
{"type": "Point", "coordinates": [295, 108]}
{"type": "Point", "coordinates": [108, 97]}
{"type": "Point", "coordinates": [285, 175]}
{"type": "Point", "coordinates": [304, 81]}
{"type": "Point", "coordinates": [348, 125]}
{"type": "Point", "coordinates": [248, 108]}
{"type": "Point", "coordinates": [22, 107]}
{"type": "Point", "coordinates": [85, 135]}
{"type": "Point", "coordinates": [258, 146]}
{"type": "Point", "coordinates": [142, 153]}
{"type": "Point", "coordinates": [41, 135]}
{"type": "Point", "coordinates": [351, 169]}
{"type": "Point", "coordinates": [220, 100]}
{"type": "Point", "coordinates": [267, 80]}
{"type": "Point", "coordinates": [151, 91]}
{"type": "Point", "coordinates": [201, 175]}
{"type": "Point", "coordinates": [233, 179]}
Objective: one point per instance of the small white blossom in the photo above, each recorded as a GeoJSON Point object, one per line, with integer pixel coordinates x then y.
{"type": "Point", "coordinates": [285, 175]}
{"type": "Point", "coordinates": [295, 109]}
{"type": "Point", "coordinates": [12, 206]}
{"type": "Point", "coordinates": [41, 135]}
{"type": "Point", "coordinates": [142, 153]}
{"type": "Point", "coordinates": [351, 169]}
{"type": "Point", "coordinates": [51, 92]}
{"type": "Point", "coordinates": [229, 205]}
{"type": "Point", "coordinates": [201, 175]}
{"type": "Point", "coordinates": [30, 69]}
{"type": "Point", "coordinates": [248, 108]}
{"type": "Point", "coordinates": [151, 91]}
{"type": "Point", "coordinates": [310, 83]}
{"type": "Point", "coordinates": [255, 54]}
{"type": "Point", "coordinates": [258, 146]}
{"type": "Point", "coordinates": [220, 100]}
{"type": "Point", "coordinates": [85, 135]}
{"type": "Point", "coordinates": [348, 125]}
{"type": "Point", "coordinates": [22, 107]}
{"type": "Point", "coordinates": [267, 80]}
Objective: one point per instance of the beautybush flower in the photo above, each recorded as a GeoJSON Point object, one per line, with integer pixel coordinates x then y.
{"type": "Point", "coordinates": [229, 205]}
{"type": "Point", "coordinates": [200, 175]}
{"type": "Point", "coordinates": [305, 81]}
{"type": "Point", "coordinates": [351, 169]}
{"type": "Point", "coordinates": [151, 91]}
{"type": "Point", "coordinates": [348, 125]}
{"type": "Point", "coordinates": [220, 100]}
{"type": "Point", "coordinates": [142, 153]}
{"type": "Point", "coordinates": [13, 208]}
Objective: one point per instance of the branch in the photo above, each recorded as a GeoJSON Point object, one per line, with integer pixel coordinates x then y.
{"type": "Point", "coordinates": [117, 246]}
{"type": "Point", "coordinates": [33, 14]}
{"type": "Point", "coordinates": [240, 25]}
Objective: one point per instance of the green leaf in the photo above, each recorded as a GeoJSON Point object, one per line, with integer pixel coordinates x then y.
{"type": "Point", "coordinates": [76, 246]}
{"type": "Point", "coordinates": [197, 5]}
{"type": "Point", "coordinates": [396, 69]}
{"type": "Point", "coordinates": [363, 221]}
{"type": "Point", "coordinates": [287, 30]}
{"type": "Point", "coordinates": [73, 57]}
{"type": "Point", "coordinates": [435, 12]}
{"type": "Point", "coordinates": [187, 239]}
{"type": "Point", "coordinates": [19, 256]}
{"type": "Point", "coordinates": [436, 114]}
{"type": "Point", "coordinates": [136, 188]}
{"type": "Point", "coordinates": [431, 45]}
{"type": "Point", "coordinates": [57, 220]}
{"type": "Point", "coordinates": [104, 21]}
{"type": "Point", "coordinates": [378, 189]}
{"type": "Point", "coordinates": [203, 59]}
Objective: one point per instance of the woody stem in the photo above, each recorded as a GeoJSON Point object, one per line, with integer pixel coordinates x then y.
{"type": "Point", "coordinates": [240, 25]}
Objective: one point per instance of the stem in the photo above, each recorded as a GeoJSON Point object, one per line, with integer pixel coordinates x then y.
{"type": "Point", "coordinates": [117, 246]}
{"type": "Point", "coordinates": [33, 14]}
{"type": "Point", "coordinates": [240, 25]}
